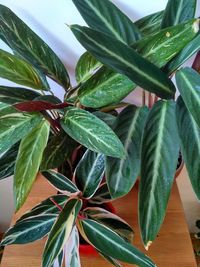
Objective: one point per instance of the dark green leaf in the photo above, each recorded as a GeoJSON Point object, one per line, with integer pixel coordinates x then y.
{"type": "Point", "coordinates": [159, 155]}
{"type": "Point", "coordinates": [28, 161]}
{"type": "Point", "coordinates": [110, 260]}
{"type": "Point", "coordinates": [30, 46]}
{"type": "Point", "coordinates": [48, 98]}
{"type": "Point", "coordinates": [111, 244]}
{"type": "Point", "coordinates": [60, 182]}
{"type": "Point", "coordinates": [189, 134]}
{"type": "Point", "coordinates": [108, 118]}
{"type": "Point", "coordinates": [150, 24]}
{"type": "Point", "coordinates": [21, 72]}
{"type": "Point", "coordinates": [125, 60]}
{"type": "Point", "coordinates": [89, 172]}
{"type": "Point", "coordinates": [188, 81]}
{"type": "Point", "coordinates": [57, 151]}
{"type": "Point", "coordinates": [29, 229]}
{"type": "Point", "coordinates": [60, 232]}
{"type": "Point", "coordinates": [121, 174]}
{"type": "Point", "coordinates": [178, 11]}
{"type": "Point", "coordinates": [102, 195]}
{"type": "Point", "coordinates": [91, 132]}
{"type": "Point", "coordinates": [105, 17]}
{"type": "Point", "coordinates": [12, 95]}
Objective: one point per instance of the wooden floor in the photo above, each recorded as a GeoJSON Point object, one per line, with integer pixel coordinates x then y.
{"type": "Point", "coordinates": [172, 248]}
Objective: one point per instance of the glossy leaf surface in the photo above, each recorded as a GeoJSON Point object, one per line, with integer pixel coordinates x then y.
{"type": "Point", "coordinates": [102, 195]}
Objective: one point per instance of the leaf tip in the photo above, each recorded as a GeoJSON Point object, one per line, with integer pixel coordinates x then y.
{"type": "Point", "coordinates": [195, 25]}
{"type": "Point", "coordinates": [148, 245]}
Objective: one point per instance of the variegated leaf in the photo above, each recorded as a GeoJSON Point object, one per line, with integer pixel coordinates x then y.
{"type": "Point", "coordinates": [102, 195]}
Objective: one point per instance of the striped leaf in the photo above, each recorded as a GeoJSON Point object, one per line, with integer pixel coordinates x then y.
{"type": "Point", "coordinates": [178, 11]}
{"type": "Point", "coordinates": [150, 24]}
{"type": "Point", "coordinates": [57, 151]}
{"type": "Point", "coordinates": [110, 260]}
{"type": "Point", "coordinates": [161, 47]}
{"type": "Point", "coordinates": [13, 95]}
{"type": "Point", "coordinates": [125, 60]}
{"type": "Point", "coordinates": [31, 47]}
{"type": "Point", "coordinates": [60, 182]}
{"type": "Point", "coordinates": [59, 260]}
{"type": "Point", "coordinates": [108, 118]}
{"type": "Point", "coordinates": [188, 51]}
{"type": "Point", "coordinates": [28, 161]}
{"type": "Point", "coordinates": [72, 258]}
{"type": "Point", "coordinates": [89, 172]}
{"type": "Point", "coordinates": [111, 244]}
{"type": "Point", "coordinates": [84, 127]}
{"type": "Point", "coordinates": [121, 174]}
{"type": "Point", "coordinates": [7, 161]}
{"type": "Point", "coordinates": [110, 220]}
{"type": "Point", "coordinates": [15, 125]}
{"type": "Point", "coordinates": [105, 17]}
{"type": "Point", "coordinates": [189, 134]}
{"type": "Point", "coordinates": [21, 72]}
{"type": "Point", "coordinates": [104, 87]}
{"type": "Point", "coordinates": [60, 232]}
{"type": "Point", "coordinates": [188, 81]}
{"type": "Point", "coordinates": [46, 207]}
{"type": "Point", "coordinates": [29, 229]}
{"type": "Point", "coordinates": [86, 67]}
{"type": "Point", "coordinates": [102, 195]}
{"type": "Point", "coordinates": [159, 155]}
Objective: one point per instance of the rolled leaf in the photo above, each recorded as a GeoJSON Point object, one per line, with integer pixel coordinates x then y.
{"type": "Point", "coordinates": [111, 244]}
{"type": "Point", "coordinates": [188, 81]}
{"type": "Point", "coordinates": [189, 133]}
{"type": "Point", "coordinates": [21, 72]}
{"type": "Point", "coordinates": [29, 229]}
{"type": "Point", "coordinates": [28, 161]}
{"type": "Point", "coordinates": [121, 174]}
{"type": "Point", "coordinates": [125, 60]}
{"type": "Point", "coordinates": [12, 95]}
{"type": "Point", "coordinates": [178, 11]}
{"type": "Point", "coordinates": [60, 182]}
{"type": "Point", "coordinates": [31, 47]}
{"type": "Point", "coordinates": [86, 67]}
{"type": "Point", "coordinates": [105, 17]}
{"type": "Point", "coordinates": [60, 232]}
{"type": "Point", "coordinates": [159, 155]}
{"type": "Point", "coordinates": [150, 24]}
{"type": "Point", "coordinates": [89, 172]}
{"type": "Point", "coordinates": [84, 127]}
{"type": "Point", "coordinates": [102, 195]}
{"type": "Point", "coordinates": [15, 125]}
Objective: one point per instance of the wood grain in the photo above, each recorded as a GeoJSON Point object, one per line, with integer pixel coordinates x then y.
{"type": "Point", "coordinates": [172, 248]}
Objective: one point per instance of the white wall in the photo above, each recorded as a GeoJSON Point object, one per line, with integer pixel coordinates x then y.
{"type": "Point", "coordinates": [48, 19]}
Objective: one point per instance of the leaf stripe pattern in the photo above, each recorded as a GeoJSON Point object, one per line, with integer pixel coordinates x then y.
{"type": "Point", "coordinates": [125, 60]}
{"type": "Point", "coordinates": [159, 155]}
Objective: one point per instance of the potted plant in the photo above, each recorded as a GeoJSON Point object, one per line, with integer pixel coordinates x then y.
{"type": "Point", "coordinates": [83, 147]}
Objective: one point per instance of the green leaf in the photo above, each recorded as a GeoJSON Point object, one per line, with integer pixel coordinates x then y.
{"type": "Point", "coordinates": [108, 118]}
{"type": "Point", "coordinates": [189, 50]}
{"type": "Point", "coordinates": [29, 229]}
{"type": "Point", "coordinates": [178, 11]}
{"type": "Point", "coordinates": [110, 260]}
{"type": "Point", "coordinates": [150, 24]}
{"type": "Point", "coordinates": [60, 232]}
{"type": "Point", "coordinates": [110, 220]}
{"type": "Point", "coordinates": [57, 151]}
{"type": "Point", "coordinates": [102, 195]}
{"type": "Point", "coordinates": [28, 161]}
{"type": "Point", "coordinates": [105, 17]}
{"type": "Point", "coordinates": [7, 161]}
{"type": "Point", "coordinates": [89, 172]}
{"type": "Point", "coordinates": [91, 132]}
{"type": "Point", "coordinates": [86, 67]}
{"type": "Point", "coordinates": [159, 155]}
{"type": "Point", "coordinates": [188, 81]}
{"type": "Point", "coordinates": [72, 258]}
{"type": "Point", "coordinates": [46, 207]}
{"type": "Point", "coordinates": [59, 260]}
{"type": "Point", "coordinates": [125, 60]}
{"type": "Point", "coordinates": [31, 47]}
{"type": "Point", "coordinates": [189, 134]}
{"type": "Point", "coordinates": [60, 182]}
{"type": "Point", "coordinates": [111, 244]}
{"type": "Point", "coordinates": [104, 87]}
{"type": "Point", "coordinates": [21, 72]}
{"type": "Point", "coordinates": [15, 125]}
{"type": "Point", "coordinates": [121, 174]}
{"type": "Point", "coordinates": [161, 47]}
{"type": "Point", "coordinates": [13, 95]}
